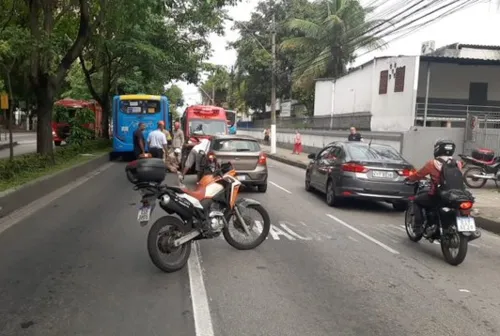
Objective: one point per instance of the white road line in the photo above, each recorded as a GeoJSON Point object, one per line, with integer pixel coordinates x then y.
{"type": "Point", "coordinates": [26, 211]}
{"type": "Point", "coordinates": [199, 299]}
{"type": "Point", "coordinates": [276, 232]}
{"type": "Point", "coordinates": [296, 235]}
{"type": "Point", "coordinates": [362, 234]}
{"type": "Point", "coordinates": [280, 187]}
{"type": "Point", "coordinates": [353, 239]}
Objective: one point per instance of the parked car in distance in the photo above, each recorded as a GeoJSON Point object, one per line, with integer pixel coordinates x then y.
{"type": "Point", "coordinates": [248, 159]}
{"type": "Point", "coordinates": [361, 171]}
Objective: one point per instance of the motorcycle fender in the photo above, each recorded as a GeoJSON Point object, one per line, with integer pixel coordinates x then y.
{"type": "Point", "coordinates": [244, 202]}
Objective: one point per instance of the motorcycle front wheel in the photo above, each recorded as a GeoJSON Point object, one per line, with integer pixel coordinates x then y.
{"type": "Point", "coordinates": [235, 227]}
{"type": "Point", "coordinates": [454, 248]}
{"type": "Point", "coordinates": [410, 224]}
{"type": "Point", "coordinates": [474, 182]}
{"type": "Point", "coordinates": [160, 244]}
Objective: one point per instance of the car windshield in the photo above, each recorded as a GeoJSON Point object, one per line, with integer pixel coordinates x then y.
{"type": "Point", "coordinates": [207, 127]}
{"type": "Point", "coordinates": [235, 145]}
{"type": "Point", "coordinates": [374, 153]}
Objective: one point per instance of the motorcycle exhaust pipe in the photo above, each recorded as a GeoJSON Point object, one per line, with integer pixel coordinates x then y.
{"type": "Point", "coordinates": [184, 239]}
{"type": "Point", "coordinates": [484, 177]}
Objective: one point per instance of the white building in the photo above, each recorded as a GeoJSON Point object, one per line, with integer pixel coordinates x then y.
{"type": "Point", "coordinates": [441, 86]}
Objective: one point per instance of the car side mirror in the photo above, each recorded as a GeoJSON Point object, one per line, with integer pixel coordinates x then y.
{"type": "Point", "coordinates": [311, 156]}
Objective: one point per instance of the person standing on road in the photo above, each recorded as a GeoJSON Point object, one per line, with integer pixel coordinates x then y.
{"type": "Point", "coordinates": [178, 139]}
{"type": "Point", "coordinates": [297, 147]}
{"type": "Point", "coordinates": [266, 136]}
{"type": "Point", "coordinates": [157, 142]}
{"type": "Point", "coordinates": [193, 158]}
{"type": "Point", "coordinates": [354, 135]}
{"type": "Point", "coordinates": [139, 141]}
{"type": "Point", "coordinates": [169, 138]}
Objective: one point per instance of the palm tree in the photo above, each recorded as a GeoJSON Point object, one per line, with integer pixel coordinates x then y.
{"type": "Point", "coordinates": [328, 43]}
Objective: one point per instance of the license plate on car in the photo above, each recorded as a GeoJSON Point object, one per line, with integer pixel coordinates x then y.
{"type": "Point", "coordinates": [144, 214]}
{"type": "Point", "coordinates": [466, 224]}
{"type": "Point", "coordinates": [242, 177]}
{"type": "Point", "coordinates": [383, 174]}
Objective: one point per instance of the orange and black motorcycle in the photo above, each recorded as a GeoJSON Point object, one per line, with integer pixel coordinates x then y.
{"type": "Point", "coordinates": [213, 208]}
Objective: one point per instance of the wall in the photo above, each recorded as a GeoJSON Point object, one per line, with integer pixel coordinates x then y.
{"type": "Point", "coordinates": [353, 91]}
{"type": "Point", "coordinates": [418, 142]}
{"type": "Point", "coordinates": [394, 111]}
{"type": "Point", "coordinates": [451, 81]}
{"type": "Point", "coordinates": [416, 145]}
{"type": "Point", "coordinates": [323, 97]}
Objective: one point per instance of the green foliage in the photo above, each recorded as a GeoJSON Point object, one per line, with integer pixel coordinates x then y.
{"type": "Point", "coordinates": [28, 164]}
{"type": "Point", "coordinates": [77, 119]}
{"type": "Point", "coordinates": [175, 96]}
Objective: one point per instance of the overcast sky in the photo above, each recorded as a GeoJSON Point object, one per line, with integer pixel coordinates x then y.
{"type": "Point", "coordinates": [479, 24]}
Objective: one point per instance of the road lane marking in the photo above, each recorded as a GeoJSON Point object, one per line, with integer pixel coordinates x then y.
{"type": "Point", "coordinates": [280, 187]}
{"type": "Point", "coordinates": [296, 235]}
{"type": "Point", "coordinates": [364, 235]}
{"type": "Point", "coordinates": [26, 211]}
{"type": "Point", "coordinates": [276, 232]}
{"type": "Point", "coordinates": [353, 239]}
{"type": "Point", "coordinates": [201, 310]}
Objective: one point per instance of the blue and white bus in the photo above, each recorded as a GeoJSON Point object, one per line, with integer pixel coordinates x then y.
{"type": "Point", "coordinates": [231, 121]}
{"type": "Point", "coordinates": [128, 111]}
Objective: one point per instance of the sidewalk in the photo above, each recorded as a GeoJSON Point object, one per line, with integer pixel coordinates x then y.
{"type": "Point", "coordinates": [486, 209]}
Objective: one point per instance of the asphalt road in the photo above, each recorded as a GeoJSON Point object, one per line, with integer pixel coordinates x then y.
{"type": "Point", "coordinates": [79, 266]}
{"type": "Point", "coordinates": [26, 144]}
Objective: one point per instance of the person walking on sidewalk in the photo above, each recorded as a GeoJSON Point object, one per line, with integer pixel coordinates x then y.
{"type": "Point", "coordinates": [157, 142]}
{"type": "Point", "coordinates": [297, 147]}
{"type": "Point", "coordinates": [354, 135]}
{"type": "Point", "coordinates": [266, 136]}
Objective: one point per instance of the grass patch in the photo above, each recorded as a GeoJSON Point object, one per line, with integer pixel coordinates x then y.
{"type": "Point", "coordinates": [28, 167]}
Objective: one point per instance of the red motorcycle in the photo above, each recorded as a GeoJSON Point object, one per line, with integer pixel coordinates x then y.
{"type": "Point", "coordinates": [480, 167]}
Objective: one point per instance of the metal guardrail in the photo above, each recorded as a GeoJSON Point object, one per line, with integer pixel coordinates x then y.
{"type": "Point", "coordinates": [457, 112]}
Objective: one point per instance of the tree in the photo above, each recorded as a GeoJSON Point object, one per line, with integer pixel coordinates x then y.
{"type": "Point", "coordinates": [253, 65]}
{"type": "Point", "coordinates": [328, 42]}
{"type": "Point", "coordinates": [175, 96]}
{"type": "Point", "coordinates": [215, 89]}
{"type": "Point", "coordinates": [57, 42]}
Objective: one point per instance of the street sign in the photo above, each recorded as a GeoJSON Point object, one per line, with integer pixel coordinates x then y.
{"type": "Point", "coordinates": [4, 101]}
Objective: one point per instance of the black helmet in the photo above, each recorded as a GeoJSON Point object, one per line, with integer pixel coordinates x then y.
{"type": "Point", "coordinates": [444, 148]}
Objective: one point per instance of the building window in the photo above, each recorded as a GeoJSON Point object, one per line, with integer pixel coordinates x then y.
{"type": "Point", "coordinates": [399, 82]}
{"type": "Point", "coordinates": [384, 77]}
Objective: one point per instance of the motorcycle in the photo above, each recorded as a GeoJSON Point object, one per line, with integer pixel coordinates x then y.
{"type": "Point", "coordinates": [479, 171]}
{"type": "Point", "coordinates": [193, 215]}
{"type": "Point", "coordinates": [449, 222]}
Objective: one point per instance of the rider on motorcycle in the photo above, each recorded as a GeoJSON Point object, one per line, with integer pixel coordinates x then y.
{"type": "Point", "coordinates": [443, 152]}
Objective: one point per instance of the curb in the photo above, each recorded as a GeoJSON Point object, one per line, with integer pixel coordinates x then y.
{"type": "Point", "coordinates": [287, 161]}
{"type": "Point", "coordinates": [481, 222]}
{"type": "Point", "coordinates": [488, 225]}
{"type": "Point", "coordinates": [7, 145]}
{"type": "Point", "coordinates": [13, 199]}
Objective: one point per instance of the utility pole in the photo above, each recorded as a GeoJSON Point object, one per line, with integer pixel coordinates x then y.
{"type": "Point", "coordinates": [273, 89]}
{"type": "Point", "coordinates": [213, 94]}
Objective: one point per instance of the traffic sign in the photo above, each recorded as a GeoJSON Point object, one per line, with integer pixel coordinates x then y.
{"type": "Point", "coordinates": [4, 101]}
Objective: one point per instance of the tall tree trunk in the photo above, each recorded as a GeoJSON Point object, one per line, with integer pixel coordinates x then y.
{"type": "Point", "coordinates": [105, 118]}
{"type": "Point", "coordinates": [45, 101]}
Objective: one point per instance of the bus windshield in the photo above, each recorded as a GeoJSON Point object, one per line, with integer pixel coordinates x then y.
{"type": "Point", "coordinates": [140, 106]}
{"type": "Point", "coordinates": [207, 127]}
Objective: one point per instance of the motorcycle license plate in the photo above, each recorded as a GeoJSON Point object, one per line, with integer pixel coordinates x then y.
{"type": "Point", "coordinates": [466, 224]}
{"type": "Point", "coordinates": [241, 177]}
{"type": "Point", "coordinates": [144, 214]}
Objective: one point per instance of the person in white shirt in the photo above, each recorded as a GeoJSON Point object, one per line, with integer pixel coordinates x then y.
{"type": "Point", "coordinates": [157, 142]}
{"type": "Point", "coordinates": [191, 159]}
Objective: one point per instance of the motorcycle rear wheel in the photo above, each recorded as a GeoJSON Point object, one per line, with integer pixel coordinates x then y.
{"type": "Point", "coordinates": [266, 226]}
{"type": "Point", "coordinates": [158, 241]}
{"type": "Point", "coordinates": [461, 253]}
{"type": "Point", "coordinates": [474, 183]}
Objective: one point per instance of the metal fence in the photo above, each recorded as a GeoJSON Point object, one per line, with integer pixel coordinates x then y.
{"type": "Point", "coordinates": [336, 122]}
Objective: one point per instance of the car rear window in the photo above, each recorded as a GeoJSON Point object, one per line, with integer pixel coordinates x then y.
{"type": "Point", "coordinates": [374, 153]}
{"type": "Point", "coordinates": [235, 145]}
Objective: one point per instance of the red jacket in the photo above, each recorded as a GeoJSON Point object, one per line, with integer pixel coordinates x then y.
{"type": "Point", "coordinates": [433, 169]}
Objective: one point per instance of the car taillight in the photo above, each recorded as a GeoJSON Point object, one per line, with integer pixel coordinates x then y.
{"type": "Point", "coordinates": [262, 159]}
{"type": "Point", "coordinates": [407, 172]}
{"type": "Point", "coordinates": [354, 168]}
{"type": "Point", "coordinates": [211, 156]}
{"type": "Point", "coordinates": [465, 205]}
